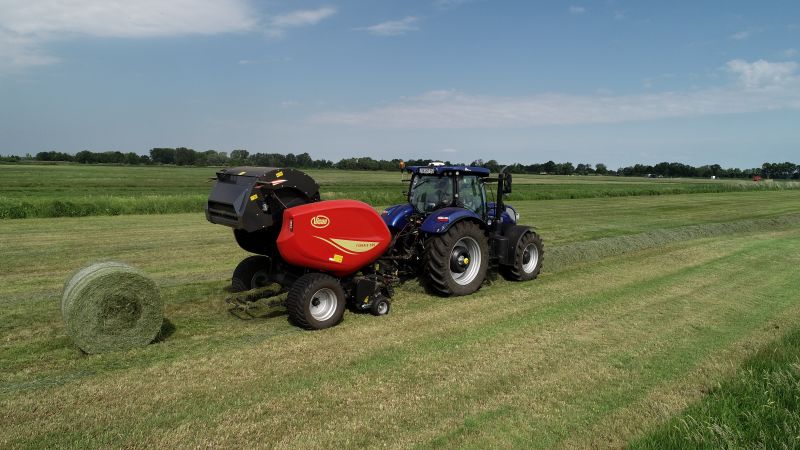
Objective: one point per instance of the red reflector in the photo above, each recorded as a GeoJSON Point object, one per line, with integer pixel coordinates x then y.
{"type": "Point", "coordinates": [443, 219]}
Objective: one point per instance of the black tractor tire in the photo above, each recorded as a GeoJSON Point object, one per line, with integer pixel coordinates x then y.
{"type": "Point", "coordinates": [251, 273]}
{"type": "Point", "coordinates": [528, 257]}
{"type": "Point", "coordinates": [380, 307]}
{"type": "Point", "coordinates": [316, 301]}
{"type": "Point", "coordinates": [444, 256]}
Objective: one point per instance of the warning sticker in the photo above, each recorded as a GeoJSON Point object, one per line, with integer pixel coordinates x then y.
{"type": "Point", "coordinates": [279, 174]}
{"type": "Point", "coordinates": [337, 259]}
{"type": "Point", "coordinates": [254, 197]}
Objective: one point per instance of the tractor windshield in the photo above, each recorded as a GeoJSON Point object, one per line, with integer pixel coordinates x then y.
{"type": "Point", "coordinates": [431, 192]}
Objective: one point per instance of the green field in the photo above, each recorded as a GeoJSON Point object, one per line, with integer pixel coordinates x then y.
{"type": "Point", "coordinates": [63, 190]}
{"type": "Point", "coordinates": [674, 292]}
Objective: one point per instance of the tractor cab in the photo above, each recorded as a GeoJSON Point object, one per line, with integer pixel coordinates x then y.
{"type": "Point", "coordinates": [436, 187]}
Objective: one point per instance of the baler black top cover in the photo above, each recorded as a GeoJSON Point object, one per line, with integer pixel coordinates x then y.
{"type": "Point", "coordinates": [253, 198]}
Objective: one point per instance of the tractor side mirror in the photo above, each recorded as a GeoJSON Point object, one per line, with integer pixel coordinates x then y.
{"type": "Point", "coordinates": [507, 184]}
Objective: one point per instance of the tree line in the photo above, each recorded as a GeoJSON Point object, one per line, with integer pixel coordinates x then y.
{"type": "Point", "coordinates": [182, 156]}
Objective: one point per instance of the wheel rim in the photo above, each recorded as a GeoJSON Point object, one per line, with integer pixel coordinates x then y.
{"type": "Point", "coordinates": [383, 307]}
{"type": "Point", "coordinates": [323, 304]}
{"type": "Point", "coordinates": [465, 260]}
{"type": "Point", "coordinates": [530, 258]}
{"type": "Point", "coordinates": [260, 279]}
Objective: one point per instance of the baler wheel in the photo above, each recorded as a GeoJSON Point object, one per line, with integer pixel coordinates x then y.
{"type": "Point", "coordinates": [380, 307]}
{"type": "Point", "coordinates": [316, 301]}
{"type": "Point", "coordinates": [528, 256]}
{"type": "Point", "coordinates": [456, 261]}
{"type": "Point", "coordinates": [251, 273]}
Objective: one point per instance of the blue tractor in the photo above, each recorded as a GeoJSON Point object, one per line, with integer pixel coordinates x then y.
{"type": "Point", "coordinates": [450, 235]}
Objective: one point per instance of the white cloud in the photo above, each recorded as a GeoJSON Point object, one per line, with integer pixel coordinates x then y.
{"type": "Point", "coordinates": [790, 52]}
{"type": "Point", "coordinates": [122, 18]}
{"type": "Point", "coordinates": [448, 150]}
{"type": "Point", "coordinates": [300, 18]}
{"type": "Point", "coordinates": [577, 9]}
{"type": "Point", "coordinates": [26, 26]}
{"type": "Point", "coordinates": [447, 4]}
{"type": "Point", "coordinates": [762, 86]}
{"type": "Point", "coordinates": [741, 35]}
{"type": "Point", "coordinates": [763, 73]}
{"type": "Point", "coordinates": [394, 27]}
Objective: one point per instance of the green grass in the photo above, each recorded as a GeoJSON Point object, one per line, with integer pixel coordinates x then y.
{"type": "Point", "coordinates": [66, 190]}
{"type": "Point", "coordinates": [757, 407]}
{"type": "Point", "coordinates": [571, 359]}
{"type": "Point", "coordinates": [647, 302]}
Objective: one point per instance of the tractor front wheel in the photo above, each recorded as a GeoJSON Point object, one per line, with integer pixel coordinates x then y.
{"type": "Point", "coordinates": [528, 255]}
{"type": "Point", "coordinates": [316, 301]}
{"type": "Point", "coordinates": [251, 273]}
{"type": "Point", "coordinates": [456, 261]}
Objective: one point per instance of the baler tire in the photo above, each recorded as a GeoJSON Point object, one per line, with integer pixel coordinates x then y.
{"type": "Point", "coordinates": [251, 273]}
{"type": "Point", "coordinates": [437, 263]}
{"type": "Point", "coordinates": [523, 270]}
{"type": "Point", "coordinates": [305, 290]}
{"type": "Point", "coordinates": [380, 307]}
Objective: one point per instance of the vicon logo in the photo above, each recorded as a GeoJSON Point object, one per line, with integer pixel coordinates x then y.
{"type": "Point", "coordinates": [320, 221]}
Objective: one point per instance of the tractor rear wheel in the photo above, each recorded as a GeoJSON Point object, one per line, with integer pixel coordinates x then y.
{"type": "Point", "coordinates": [251, 273]}
{"type": "Point", "coordinates": [456, 261]}
{"type": "Point", "coordinates": [316, 301]}
{"type": "Point", "coordinates": [528, 255]}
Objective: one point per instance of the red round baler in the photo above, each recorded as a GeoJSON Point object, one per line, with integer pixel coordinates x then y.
{"type": "Point", "coordinates": [338, 237]}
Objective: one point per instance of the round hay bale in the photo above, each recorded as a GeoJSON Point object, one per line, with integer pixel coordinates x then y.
{"type": "Point", "coordinates": [111, 306]}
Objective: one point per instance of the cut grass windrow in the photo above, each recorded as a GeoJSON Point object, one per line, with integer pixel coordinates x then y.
{"type": "Point", "coordinates": [565, 255]}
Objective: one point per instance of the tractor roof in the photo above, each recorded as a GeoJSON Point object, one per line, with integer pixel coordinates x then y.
{"type": "Point", "coordinates": [439, 170]}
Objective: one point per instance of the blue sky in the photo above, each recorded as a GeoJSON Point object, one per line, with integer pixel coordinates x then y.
{"type": "Point", "coordinates": [618, 82]}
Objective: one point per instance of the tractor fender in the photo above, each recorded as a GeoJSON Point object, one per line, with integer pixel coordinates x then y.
{"type": "Point", "coordinates": [395, 217]}
{"type": "Point", "coordinates": [439, 221]}
{"type": "Point", "coordinates": [511, 234]}
{"type": "Point", "coordinates": [509, 215]}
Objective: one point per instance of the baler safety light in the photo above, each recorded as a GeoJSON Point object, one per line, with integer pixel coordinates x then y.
{"type": "Point", "coordinates": [291, 224]}
{"type": "Point", "coordinates": [442, 219]}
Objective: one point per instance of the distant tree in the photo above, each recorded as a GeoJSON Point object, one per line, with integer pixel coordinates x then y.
{"type": "Point", "coordinates": [163, 155]}
{"type": "Point", "coordinates": [239, 156]}
{"type": "Point", "coordinates": [566, 168]}
{"type": "Point", "coordinates": [185, 156]}
{"type": "Point", "coordinates": [132, 158]}
{"type": "Point", "coordinates": [492, 165]}
{"type": "Point", "coordinates": [53, 156]}
{"type": "Point", "coordinates": [304, 160]}
{"type": "Point", "coordinates": [600, 169]}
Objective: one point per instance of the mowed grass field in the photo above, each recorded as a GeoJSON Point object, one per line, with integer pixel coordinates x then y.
{"type": "Point", "coordinates": [593, 354]}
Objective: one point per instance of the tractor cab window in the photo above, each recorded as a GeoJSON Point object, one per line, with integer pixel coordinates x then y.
{"type": "Point", "coordinates": [429, 193]}
{"type": "Point", "coordinates": [471, 194]}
